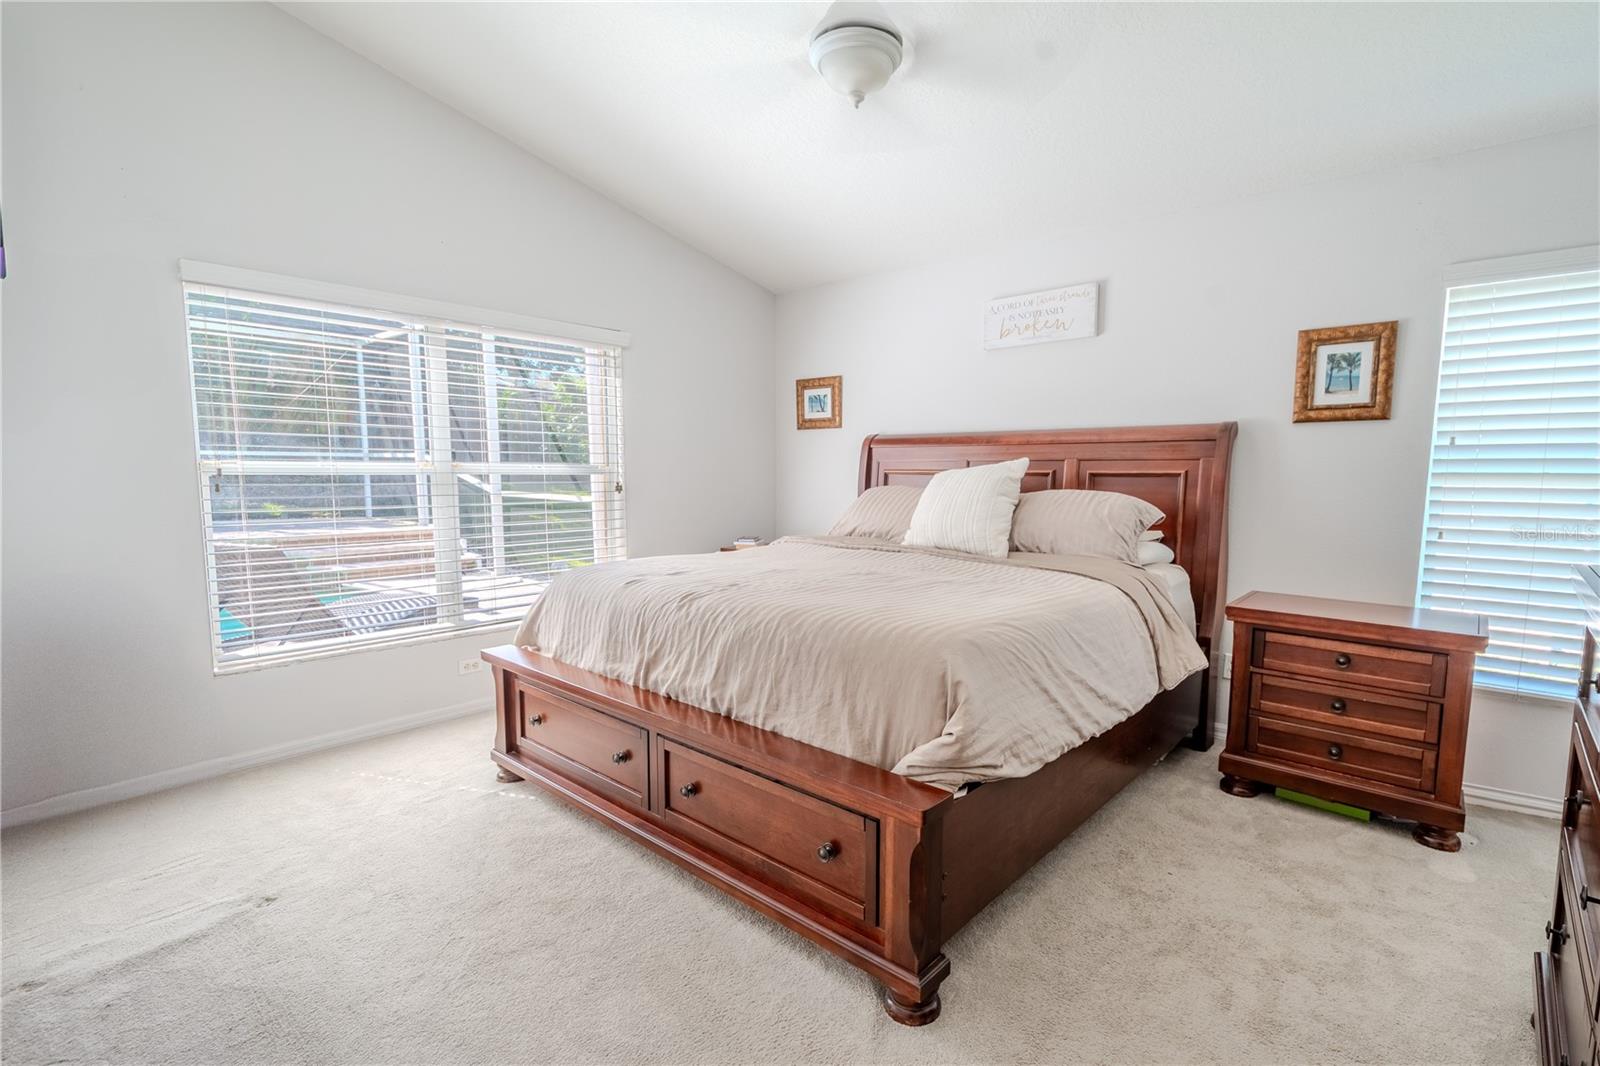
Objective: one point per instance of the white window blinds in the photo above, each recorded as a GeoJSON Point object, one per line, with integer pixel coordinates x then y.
{"type": "Point", "coordinates": [1514, 480]}
{"type": "Point", "coordinates": [372, 476]}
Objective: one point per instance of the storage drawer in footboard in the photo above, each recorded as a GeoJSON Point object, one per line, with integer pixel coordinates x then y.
{"type": "Point", "coordinates": [813, 850]}
{"type": "Point", "coordinates": [595, 749]}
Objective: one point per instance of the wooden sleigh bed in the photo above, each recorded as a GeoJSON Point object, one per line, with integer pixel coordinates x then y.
{"type": "Point", "coordinates": [876, 868]}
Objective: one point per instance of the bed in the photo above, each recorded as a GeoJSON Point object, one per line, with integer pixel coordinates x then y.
{"type": "Point", "coordinates": [874, 865]}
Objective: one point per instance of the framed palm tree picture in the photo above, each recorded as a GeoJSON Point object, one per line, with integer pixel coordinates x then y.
{"type": "Point", "coordinates": [1345, 373]}
{"type": "Point", "coordinates": [818, 403]}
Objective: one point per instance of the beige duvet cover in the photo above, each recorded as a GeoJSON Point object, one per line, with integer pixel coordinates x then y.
{"type": "Point", "coordinates": [946, 668]}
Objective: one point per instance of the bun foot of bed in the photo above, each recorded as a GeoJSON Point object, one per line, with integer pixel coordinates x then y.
{"type": "Point", "coordinates": [1238, 786]}
{"type": "Point", "coordinates": [1431, 836]}
{"type": "Point", "coordinates": [506, 775]}
{"type": "Point", "coordinates": [911, 1012]}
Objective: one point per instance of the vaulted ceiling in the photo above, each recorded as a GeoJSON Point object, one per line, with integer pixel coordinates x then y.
{"type": "Point", "coordinates": [1007, 120]}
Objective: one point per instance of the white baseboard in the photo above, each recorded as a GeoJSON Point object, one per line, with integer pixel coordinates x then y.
{"type": "Point", "coordinates": [1484, 795]}
{"type": "Point", "coordinates": [83, 799]}
{"type": "Point", "coordinates": [1506, 800]}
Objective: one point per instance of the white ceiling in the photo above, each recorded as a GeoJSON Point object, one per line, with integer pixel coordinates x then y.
{"type": "Point", "coordinates": [1006, 119]}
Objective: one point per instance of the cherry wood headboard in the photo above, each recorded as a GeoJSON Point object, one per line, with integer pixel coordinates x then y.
{"type": "Point", "coordinates": [1181, 469]}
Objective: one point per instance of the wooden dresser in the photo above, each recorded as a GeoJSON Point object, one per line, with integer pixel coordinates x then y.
{"type": "Point", "coordinates": [1566, 976]}
{"type": "Point", "coordinates": [1360, 703]}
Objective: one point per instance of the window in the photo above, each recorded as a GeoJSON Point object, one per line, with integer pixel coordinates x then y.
{"type": "Point", "coordinates": [1514, 478]}
{"type": "Point", "coordinates": [372, 474]}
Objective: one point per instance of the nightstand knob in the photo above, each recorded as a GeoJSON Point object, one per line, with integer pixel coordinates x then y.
{"type": "Point", "coordinates": [535, 719]}
{"type": "Point", "coordinates": [1335, 752]}
{"type": "Point", "coordinates": [1337, 706]}
{"type": "Point", "coordinates": [688, 790]}
{"type": "Point", "coordinates": [1341, 660]}
{"type": "Point", "coordinates": [621, 757]}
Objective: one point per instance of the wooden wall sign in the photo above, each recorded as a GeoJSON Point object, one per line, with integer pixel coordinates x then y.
{"type": "Point", "coordinates": [1066, 313]}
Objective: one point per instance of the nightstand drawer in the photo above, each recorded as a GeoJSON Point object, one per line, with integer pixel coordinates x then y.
{"type": "Point", "coordinates": [1343, 752]}
{"type": "Point", "coordinates": [1397, 669]}
{"type": "Point", "coordinates": [1341, 707]}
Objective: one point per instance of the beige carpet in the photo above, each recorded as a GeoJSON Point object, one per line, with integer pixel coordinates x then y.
{"type": "Point", "coordinates": [389, 902]}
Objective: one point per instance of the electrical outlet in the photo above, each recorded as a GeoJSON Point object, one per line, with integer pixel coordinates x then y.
{"type": "Point", "coordinates": [1227, 665]}
{"type": "Point", "coordinates": [471, 666]}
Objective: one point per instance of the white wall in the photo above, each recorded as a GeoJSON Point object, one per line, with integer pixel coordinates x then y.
{"type": "Point", "coordinates": [1199, 320]}
{"type": "Point", "coordinates": [135, 135]}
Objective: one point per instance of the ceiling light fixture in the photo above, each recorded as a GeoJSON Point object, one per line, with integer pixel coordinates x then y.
{"type": "Point", "coordinates": [856, 59]}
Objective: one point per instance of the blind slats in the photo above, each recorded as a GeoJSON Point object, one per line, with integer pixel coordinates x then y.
{"type": "Point", "coordinates": [1513, 498]}
{"type": "Point", "coordinates": [371, 477]}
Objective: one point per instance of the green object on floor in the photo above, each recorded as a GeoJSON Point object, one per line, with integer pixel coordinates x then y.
{"type": "Point", "coordinates": [1324, 805]}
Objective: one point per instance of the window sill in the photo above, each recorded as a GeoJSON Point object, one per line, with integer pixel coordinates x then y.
{"type": "Point", "coordinates": [334, 649]}
{"type": "Point", "coordinates": [1514, 696]}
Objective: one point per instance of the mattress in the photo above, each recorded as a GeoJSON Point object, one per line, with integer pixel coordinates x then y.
{"type": "Point", "coordinates": [1175, 580]}
{"type": "Point", "coordinates": [946, 668]}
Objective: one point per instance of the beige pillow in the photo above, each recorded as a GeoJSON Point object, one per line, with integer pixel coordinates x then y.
{"type": "Point", "coordinates": [968, 510]}
{"type": "Point", "coordinates": [883, 512]}
{"type": "Point", "coordinates": [1082, 522]}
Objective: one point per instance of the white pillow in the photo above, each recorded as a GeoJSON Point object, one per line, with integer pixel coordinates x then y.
{"type": "Point", "coordinates": [1153, 551]}
{"type": "Point", "coordinates": [883, 512]}
{"type": "Point", "coordinates": [968, 510]}
{"type": "Point", "coordinates": [1151, 534]}
{"type": "Point", "coordinates": [1082, 522]}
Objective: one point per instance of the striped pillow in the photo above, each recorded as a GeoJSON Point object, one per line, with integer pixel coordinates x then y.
{"type": "Point", "coordinates": [883, 512]}
{"type": "Point", "coordinates": [1082, 522]}
{"type": "Point", "coordinates": [968, 510]}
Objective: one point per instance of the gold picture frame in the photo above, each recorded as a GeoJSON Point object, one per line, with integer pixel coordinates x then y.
{"type": "Point", "coordinates": [819, 403]}
{"type": "Point", "coordinates": [1345, 373]}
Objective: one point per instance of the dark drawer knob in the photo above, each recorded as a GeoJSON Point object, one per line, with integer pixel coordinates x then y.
{"type": "Point", "coordinates": [1335, 752]}
{"type": "Point", "coordinates": [1575, 803]}
{"type": "Point", "coordinates": [827, 851]}
{"type": "Point", "coordinates": [622, 756]}
{"type": "Point", "coordinates": [1584, 899]}
{"type": "Point", "coordinates": [1556, 934]}
{"type": "Point", "coordinates": [688, 790]}
{"type": "Point", "coordinates": [1341, 660]}
{"type": "Point", "coordinates": [1337, 706]}
{"type": "Point", "coordinates": [535, 719]}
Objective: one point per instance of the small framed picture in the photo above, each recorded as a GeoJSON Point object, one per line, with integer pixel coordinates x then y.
{"type": "Point", "coordinates": [818, 403]}
{"type": "Point", "coordinates": [1345, 373]}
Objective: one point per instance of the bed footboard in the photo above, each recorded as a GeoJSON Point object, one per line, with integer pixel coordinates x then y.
{"type": "Point", "coordinates": [847, 855]}
{"type": "Point", "coordinates": [874, 867]}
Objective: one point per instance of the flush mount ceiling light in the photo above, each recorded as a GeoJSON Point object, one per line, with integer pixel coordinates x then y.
{"type": "Point", "coordinates": [856, 59]}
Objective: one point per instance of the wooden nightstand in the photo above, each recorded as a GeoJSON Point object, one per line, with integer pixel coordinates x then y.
{"type": "Point", "coordinates": [1361, 703]}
